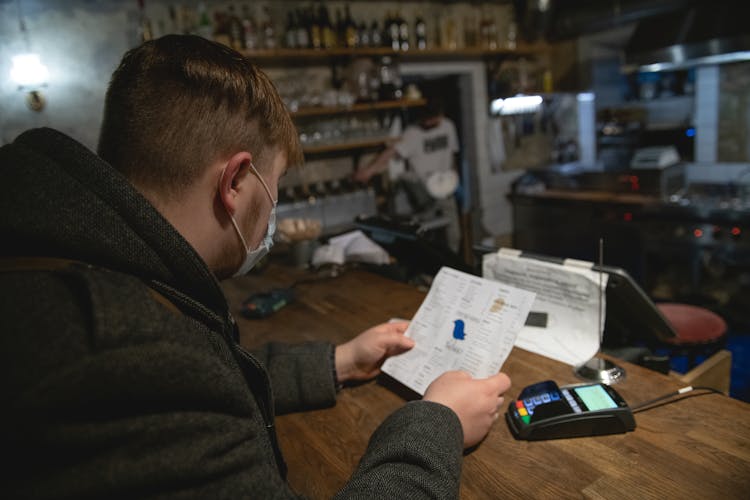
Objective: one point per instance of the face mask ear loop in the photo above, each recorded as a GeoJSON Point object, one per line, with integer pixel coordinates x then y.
{"type": "Point", "coordinates": [239, 233]}
{"type": "Point", "coordinates": [265, 186]}
{"type": "Point", "coordinates": [231, 217]}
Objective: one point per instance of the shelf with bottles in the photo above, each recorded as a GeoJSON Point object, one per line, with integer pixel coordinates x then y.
{"type": "Point", "coordinates": [361, 107]}
{"type": "Point", "coordinates": [347, 132]}
{"type": "Point", "coordinates": [348, 145]}
{"type": "Point", "coordinates": [274, 34]}
{"type": "Point", "coordinates": [312, 33]}
{"type": "Point", "coordinates": [282, 55]}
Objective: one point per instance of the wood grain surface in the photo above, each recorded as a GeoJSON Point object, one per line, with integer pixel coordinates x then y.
{"type": "Point", "coordinates": [695, 448]}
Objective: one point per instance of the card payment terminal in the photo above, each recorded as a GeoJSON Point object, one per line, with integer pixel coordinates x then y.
{"type": "Point", "coordinates": [546, 411]}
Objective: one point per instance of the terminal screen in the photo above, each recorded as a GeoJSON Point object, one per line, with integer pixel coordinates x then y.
{"type": "Point", "coordinates": [595, 397]}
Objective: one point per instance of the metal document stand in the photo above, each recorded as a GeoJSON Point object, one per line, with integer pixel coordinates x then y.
{"type": "Point", "coordinates": [600, 370]}
{"type": "Point", "coordinates": [597, 369]}
{"type": "Point", "coordinates": [631, 317]}
{"type": "Point", "coordinates": [629, 312]}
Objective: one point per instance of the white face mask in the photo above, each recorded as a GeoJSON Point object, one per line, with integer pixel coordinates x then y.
{"type": "Point", "coordinates": [253, 256]}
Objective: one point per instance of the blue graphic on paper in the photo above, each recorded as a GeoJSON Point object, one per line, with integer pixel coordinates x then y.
{"type": "Point", "coordinates": [458, 329]}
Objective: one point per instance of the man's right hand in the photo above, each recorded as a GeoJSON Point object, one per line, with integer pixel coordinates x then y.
{"type": "Point", "coordinates": [477, 402]}
{"type": "Point", "coordinates": [362, 175]}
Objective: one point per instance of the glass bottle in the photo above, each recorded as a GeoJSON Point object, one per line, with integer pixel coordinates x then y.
{"type": "Point", "coordinates": [420, 32]}
{"type": "Point", "coordinates": [451, 34]}
{"type": "Point", "coordinates": [376, 37]}
{"type": "Point", "coordinates": [316, 39]}
{"type": "Point", "coordinates": [403, 32]}
{"type": "Point", "coordinates": [221, 28]}
{"type": "Point", "coordinates": [350, 29]}
{"type": "Point", "coordinates": [290, 36]}
{"type": "Point", "coordinates": [327, 33]}
{"type": "Point", "coordinates": [250, 28]}
{"type": "Point", "coordinates": [390, 80]}
{"type": "Point", "coordinates": [236, 31]}
{"type": "Point", "coordinates": [393, 32]}
{"type": "Point", "coordinates": [303, 29]}
{"type": "Point", "coordinates": [339, 30]}
{"type": "Point", "coordinates": [205, 29]}
{"type": "Point", "coordinates": [363, 35]}
{"type": "Point", "coordinates": [269, 32]}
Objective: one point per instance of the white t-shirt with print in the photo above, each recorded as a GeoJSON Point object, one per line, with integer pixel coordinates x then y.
{"type": "Point", "coordinates": [430, 150]}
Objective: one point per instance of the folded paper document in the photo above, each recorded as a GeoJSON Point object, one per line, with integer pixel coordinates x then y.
{"type": "Point", "coordinates": [465, 323]}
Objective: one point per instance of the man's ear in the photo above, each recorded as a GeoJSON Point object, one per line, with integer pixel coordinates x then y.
{"type": "Point", "coordinates": [235, 170]}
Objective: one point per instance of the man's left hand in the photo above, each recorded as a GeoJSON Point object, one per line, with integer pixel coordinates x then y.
{"type": "Point", "coordinates": [362, 357]}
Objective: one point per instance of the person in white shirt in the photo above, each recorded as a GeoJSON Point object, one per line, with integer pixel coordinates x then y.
{"type": "Point", "coordinates": [430, 148]}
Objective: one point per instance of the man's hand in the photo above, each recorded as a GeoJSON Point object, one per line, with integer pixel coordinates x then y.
{"type": "Point", "coordinates": [477, 402]}
{"type": "Point", "coordinates": [378, 165]}
{"type": "Point", "coordinates": [363, 175]}
{"type": "Point", "coordinates": [362, 357]}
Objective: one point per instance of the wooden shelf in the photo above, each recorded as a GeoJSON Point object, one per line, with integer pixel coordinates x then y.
{"type": "Point", "coordinates": [357, 108]}
{"type": "Point", "coordinates": [348, 146]}
{"type": "Point", "coordinates": [437, 53]}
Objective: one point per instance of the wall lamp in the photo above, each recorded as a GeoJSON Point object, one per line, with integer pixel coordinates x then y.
{"type": "Point", "coordinates": [30, 74]}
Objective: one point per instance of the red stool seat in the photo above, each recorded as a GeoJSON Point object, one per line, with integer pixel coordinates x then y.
{"type": "Point", "coordinates": [693, 324]}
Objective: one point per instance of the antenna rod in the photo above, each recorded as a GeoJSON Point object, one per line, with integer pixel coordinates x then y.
{"type": "Point", "coordinates": [601, 292]}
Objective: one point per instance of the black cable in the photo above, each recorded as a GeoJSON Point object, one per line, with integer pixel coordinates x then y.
{"type": "Point", "coordinates": [668, 398]}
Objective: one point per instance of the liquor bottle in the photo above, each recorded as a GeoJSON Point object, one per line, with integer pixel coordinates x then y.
{"type": "Point", "coordinates": [439, 40]}
{"type": "Point", "coordinates": [351, 33]}
{"type": "Point", "coordinates": [316, 38]}
{"type": "Point", "coordinates": [403, 32]}
{"type": "Point", "coordinates": [510, 37]}
{"type": "Point", "coordinates": [303, 33]}
{"type": "Point", "coordinates": [333, 187]}
{"type": "Point", "coordinates": [472, 31]}
{"type": "Point", "coordinates": [492, 42]}
{"type": "Point", "coordinates": [393, 32]}
{"type": "Point", "coordinates": [386, 37]}
{"type": "Point", "coordinates": [376, 37]}
{"type": "Point", "coordinates": [204, 24]}
{"type": "Point", "coordinates": [451, 34]}
{"type": "Point", "coordinates": [290, 36]}
{"type": "Point", "coordinates": [339, 30]}
{"type": "Point", "coordinates": [363, 35]}
{"type": "Point", "coordinates": [236, 31]}
{"type": "Point", "coordinates": [221, 28]}
{"type": "Point", "coordinates": [420, 32]}
{"type": "Point", "coordinates": [484, 31]}
{"type": "Point", "coordinates": [269, 32]}
{"type": "Point", "coordinates": [326, 29]}
{"type": "Point", "coordinates": [387, 75]}
{"type": "Point", "coordinates": [146, 33]}
{"type": "Point", "coordinates": [249, 28]}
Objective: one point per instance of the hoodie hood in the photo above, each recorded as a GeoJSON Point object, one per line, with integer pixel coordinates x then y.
{"type": "Point", "coordinates": [58, 199]}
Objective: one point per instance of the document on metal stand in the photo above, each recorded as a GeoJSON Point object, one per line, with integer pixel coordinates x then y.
{"type": "Point", "coordinates": [568, 296]}
{"type": "Point", "coordinates": [465, 323]}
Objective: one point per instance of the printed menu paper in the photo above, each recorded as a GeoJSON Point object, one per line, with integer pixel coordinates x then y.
{"type": "Point", "coordinates": [465, 323]}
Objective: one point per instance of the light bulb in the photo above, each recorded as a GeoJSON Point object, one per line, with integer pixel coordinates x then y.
{"type": "Point", "coordinates": [28, 71]}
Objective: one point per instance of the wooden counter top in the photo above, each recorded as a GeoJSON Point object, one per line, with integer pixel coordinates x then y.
{"type": "Point", "coordinates": [696, 448]}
